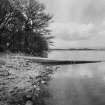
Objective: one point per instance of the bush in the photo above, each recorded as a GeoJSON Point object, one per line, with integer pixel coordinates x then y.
{"type": "Point", "coordinates": [24, 27]}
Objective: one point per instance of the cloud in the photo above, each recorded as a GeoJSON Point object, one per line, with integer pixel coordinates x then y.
{"type": "Point", "coordinates": [69, 35]}
{"type": "Point", "coordinates": [60, 43]}
{"type": "Point", "coordinates": [78, 23]}
{"type": "Point", "coordinates": [72, 31]}
{"type": "Point", "coordinates": [84, 11]}
{"type": "Point", "coordinates": [95, 11]}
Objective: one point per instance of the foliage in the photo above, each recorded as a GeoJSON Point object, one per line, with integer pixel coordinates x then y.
{"type": "Point", "coordinates": [19, 78]}
{"type": "Point", "coordinates": [24, 27]}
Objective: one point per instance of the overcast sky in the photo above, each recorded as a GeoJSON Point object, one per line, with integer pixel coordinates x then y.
{"type": "Point", "coordinates": [77, 23]}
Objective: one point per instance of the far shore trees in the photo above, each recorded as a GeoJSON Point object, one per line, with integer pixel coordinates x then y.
{"type": "Point", "coordinates": [24, 27]}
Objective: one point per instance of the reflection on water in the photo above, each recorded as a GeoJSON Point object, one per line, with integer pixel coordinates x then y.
{"type": "Point", "coordinates": [82, 84]}
{"type": "Point", "coordinates": [78, 85]}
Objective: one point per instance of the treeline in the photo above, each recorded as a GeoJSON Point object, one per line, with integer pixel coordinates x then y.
{"type": "Point", "coordinates": [24, 27]}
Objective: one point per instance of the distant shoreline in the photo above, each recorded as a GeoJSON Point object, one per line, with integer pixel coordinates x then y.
{"type": "Point", "coordinates": [79, 49]}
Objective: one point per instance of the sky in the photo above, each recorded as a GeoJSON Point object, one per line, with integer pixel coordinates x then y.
{"type": "Point", "coordinates": [77, 23]}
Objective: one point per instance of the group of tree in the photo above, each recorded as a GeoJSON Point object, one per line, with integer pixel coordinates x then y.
{"type": "Point", "coordinates": [24, 27]}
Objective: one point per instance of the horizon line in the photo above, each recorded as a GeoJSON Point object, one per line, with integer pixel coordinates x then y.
{"type": "Point", "coordinates": [77, 49]}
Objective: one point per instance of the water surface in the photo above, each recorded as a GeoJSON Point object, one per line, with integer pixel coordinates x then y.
{"type": "Point", "coordinates": [77, 55]}
{"type": "Point", "coordinates": [82, 84]}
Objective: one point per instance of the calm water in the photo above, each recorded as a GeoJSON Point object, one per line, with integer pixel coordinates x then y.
{"type": "Point", "coordinates": [82, 84]}
{"type": "Point", "coordinates": [77, 55]}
